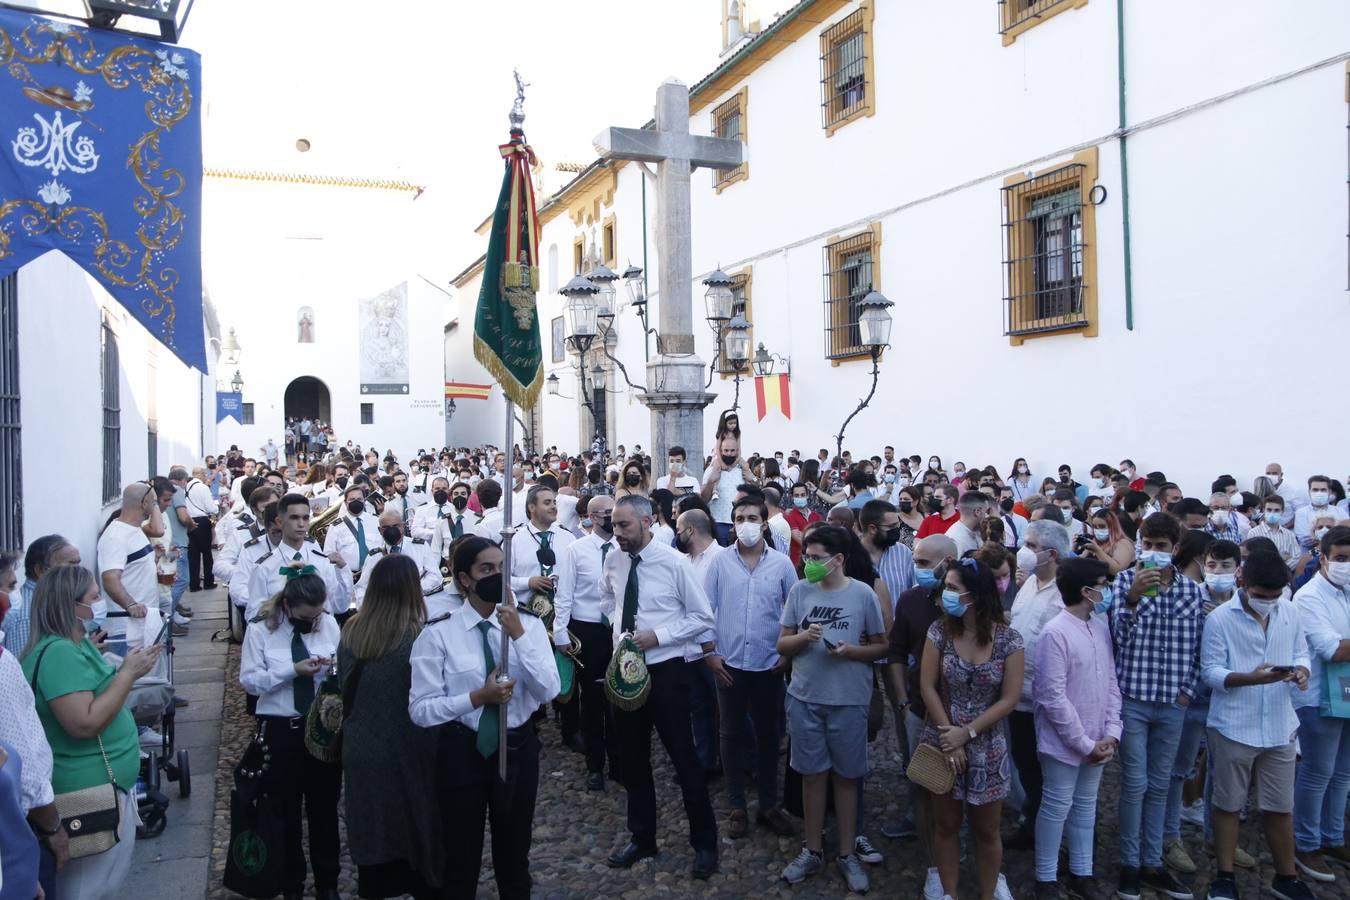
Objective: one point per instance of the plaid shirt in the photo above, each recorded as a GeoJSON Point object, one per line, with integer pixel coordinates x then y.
{"type": "Point", "coordinates": [1157, 643]}
{"type": "Point", "coordinates": [1228, 532]}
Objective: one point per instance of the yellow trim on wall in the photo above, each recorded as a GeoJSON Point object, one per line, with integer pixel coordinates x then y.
{"type": "Point", "coordinates": [868, 107]}
{"type": "Point", "coordinates": [740, 102]}
{"type": "Point", "coordinates": [1015, 23]}
{"type": "Point", "coordinates": [836, 266]}
{"type": "Point", "coordinates": [609, 242]}
{"type": "Point", "coordinates": [1088, 159]}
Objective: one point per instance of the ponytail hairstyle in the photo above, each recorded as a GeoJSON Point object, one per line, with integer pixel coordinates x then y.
{"type": "Point", "coordinates": [300, 591]}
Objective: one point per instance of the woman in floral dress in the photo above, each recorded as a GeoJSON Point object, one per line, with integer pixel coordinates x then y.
{"type": "Point", "coordinates": [971, 677]}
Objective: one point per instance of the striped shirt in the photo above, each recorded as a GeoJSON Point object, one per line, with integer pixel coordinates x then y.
{"type": "Point", "coordinates": [18, 620]}
{"type": "Point", "coordinates": [1157, 642]}
{"type": "Point", "coordinates": [1324, 610]}
{"type": "Point", "coordinates": [1234, 641]}
{"type": "Point", "coordinates": [748, 605]}
{"type": "Point", "coordinates": [1229, 531]}
{"type": "Point", "coordinates": [1284, 540]}
{"type": "Point", "coordinates": [896, 568]}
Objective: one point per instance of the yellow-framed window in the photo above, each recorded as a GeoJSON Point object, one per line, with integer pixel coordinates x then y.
{"type": "Point", "coordinates": [729, 121]}
{"type": "Point", "coordinates": [1018, 16]}
{"type": "Point", "coordinates": [851, 272]}
{"type": "Point", "coordinates": [847, 80]}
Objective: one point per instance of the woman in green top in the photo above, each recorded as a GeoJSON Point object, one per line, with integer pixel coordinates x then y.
{"type": "Point", "coordinates": [80, 704]}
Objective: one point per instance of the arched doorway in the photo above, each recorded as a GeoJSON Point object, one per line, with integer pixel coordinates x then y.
{"type": "Point", "coordinates": [307, 398]}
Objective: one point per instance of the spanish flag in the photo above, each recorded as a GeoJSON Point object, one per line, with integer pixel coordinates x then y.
{"type": "Point", "coordinates": [773, 392]}
{"type": "Point", "coordinates": [465, 391]}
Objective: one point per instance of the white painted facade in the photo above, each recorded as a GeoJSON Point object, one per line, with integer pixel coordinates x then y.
{"type": "Point", "coordinates": [1236, 116]}
{"type": "Point", "coordinates": [60, 311]}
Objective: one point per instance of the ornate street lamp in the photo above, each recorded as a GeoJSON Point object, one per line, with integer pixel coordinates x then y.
{"type": "Point", "coordinates": [230, 349]}
{"type": "Point", "coordinates": [718, 298]}
{"type": "Point", "coordinates": [581, 307]}
{"type": "Point", "coordinates": [874, 323]}
{"type": "Point", "coordinates": [738, 341]}
{"type": "Point", "coordinates": [603, 278]}
{"type": "Point", "coordinates": [764, 361]}
{"type": "Point", "coordinates": [169, 16]}
{"type": "Point", "coordinates": [237, 382]}
{"type": "Point", "coordinates": [551, 385]}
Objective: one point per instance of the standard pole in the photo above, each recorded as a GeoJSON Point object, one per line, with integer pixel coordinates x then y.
{"type": "Point", "coordinates": [508, 534]}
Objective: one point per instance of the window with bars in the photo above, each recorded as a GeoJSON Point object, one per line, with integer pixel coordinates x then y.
{"type": "Point", "coordinates": [1048, 261]}
{"type": "Point", "coordinates": [740, 304]}
{"type": "Point", "coordinates": [1017, 16]}
{"type": "Point", "coordinates": [11, 445]}
{"type": "Point", "coordinates": [728, 121]}
{"type": "Point", "coordinates": [112, 416]}
{"type": "Point", "coordinates": [367, 413]}
{"type": "Point", "coordinates": [846, 82]}
{"type": "Point", "coordinates": [849, 276]}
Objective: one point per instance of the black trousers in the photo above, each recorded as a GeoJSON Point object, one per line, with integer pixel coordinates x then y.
{"type": "Point", "coordinates": [200, 561]}
{"type": "Point", "coordinates": [666, 709]}
{"type": "Point", "coordinates": [314, 786]}
{"type": "Point", "coordinates": [596, 718]}
{"type": "Point", "coordinates": [756, 697]}
{"type": "Point", "coordinates": [1022, 743]}
{"type": "Point", "coordinates": [469, 788]}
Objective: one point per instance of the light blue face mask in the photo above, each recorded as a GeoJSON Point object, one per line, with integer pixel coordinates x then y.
{"type": "Point", "coordinates": [925, 577]}
{"type": "Point", "coordinates": [1108, 597]}
{"type": "Point", "coordinates": [96, 622]}
{"type": "Point", "coordinates": [586, 523]}
{"type": "Point", "coordinates": [952, 605]}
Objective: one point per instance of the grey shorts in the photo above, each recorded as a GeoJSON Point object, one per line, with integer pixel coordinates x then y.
{"type": "Point", "coordinates": [1236, 768]}
{"type": "Point", "coordinates": [826, 737]}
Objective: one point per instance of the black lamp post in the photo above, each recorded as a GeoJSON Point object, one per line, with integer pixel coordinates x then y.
{"type": "Point", "coordinates": [169, 16]}
{"type": "Point", "coordinates": [874, 323]}
{"type": "Point", "coordinates": [583, 303]}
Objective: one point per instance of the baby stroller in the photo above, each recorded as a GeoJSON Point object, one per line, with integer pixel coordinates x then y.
{"type": "Point", "coordinates": [151, 704]}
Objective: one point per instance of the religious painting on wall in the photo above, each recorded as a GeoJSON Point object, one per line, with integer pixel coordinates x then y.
{"type": "Point", "coordinates": [383, 330]}
{"type": "Point", "coordinates": [305, 325]}
{"type": "Point", "coordinates": [559, 333]}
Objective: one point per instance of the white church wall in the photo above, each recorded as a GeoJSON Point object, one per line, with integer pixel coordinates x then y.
{"type": "Point", "coordinates": [60, 378]}
{"type": "Point", "coordinates": [476, 422]}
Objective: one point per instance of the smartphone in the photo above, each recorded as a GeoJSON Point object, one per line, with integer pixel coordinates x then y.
{"type": "Point", "coordinates": [1284, 669]}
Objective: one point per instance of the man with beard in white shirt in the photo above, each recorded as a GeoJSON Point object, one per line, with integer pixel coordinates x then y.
{"type": "Point", "coordinates": [393, 541]}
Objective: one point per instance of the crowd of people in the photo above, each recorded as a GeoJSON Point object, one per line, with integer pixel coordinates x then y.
{"type": "Point", "coordinates": [764, 619]}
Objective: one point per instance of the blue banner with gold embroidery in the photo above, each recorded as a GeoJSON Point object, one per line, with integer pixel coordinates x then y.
{"type": "Point", "coordinates": [101, 138]}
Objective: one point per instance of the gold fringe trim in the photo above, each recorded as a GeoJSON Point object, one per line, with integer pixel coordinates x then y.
{"type": "Point", "coordinates": [378, 184]}
{"type": "Point", "coordinates": [522, 395]}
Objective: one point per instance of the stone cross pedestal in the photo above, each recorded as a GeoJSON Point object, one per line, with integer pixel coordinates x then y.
{"type": "Point", "coordinates": [675, 377]}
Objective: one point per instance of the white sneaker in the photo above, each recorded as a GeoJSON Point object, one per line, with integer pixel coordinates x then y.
{"type": "Point", "coordinates": [803, 867]}
{"type": "Point", "coordinates": [932, 886]}
{"type": "Point", "coordinates": [1194, 814]}
{"type": "Point", "coordinates": [151, 739]}
{"type": "Point", "coordinates": [1001, 891]}
{"type": "Point", "coordinates": [852, 869]}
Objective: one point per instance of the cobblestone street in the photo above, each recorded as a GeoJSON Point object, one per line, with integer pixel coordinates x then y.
{"type": "Point", "coordinates": [575, 831]}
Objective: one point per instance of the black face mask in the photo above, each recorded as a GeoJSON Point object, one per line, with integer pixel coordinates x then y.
{"type": "Point", "coordinates": [356, 507]}
{"type": "Point", "coordinates": [489, 588]}
{"type": "Point", "coordinates": [342, 481]}
{"type": "Point", "coordinates": [888, 537]}
{"type": "Point", "coordinates": [905, 506]}
{"type": "Point", "coordinates": [392, 534]}
{"type": "Point", "coordinates": [681, 544]}
{"type": "Point", "coordinates": [440, 497]}
{"type": "Point", "coordinates": [728, 460]}
{"type": "Point", "coordinates": [632, 479]}
{"type": "Point", "coordinates": [604, 524]}
{"type": "Point", "coordinates": [1006, 504]}
{"type": "Point", "coordinates": [302, 626]}
{"type": "Point", "coordinates": [459, 503]}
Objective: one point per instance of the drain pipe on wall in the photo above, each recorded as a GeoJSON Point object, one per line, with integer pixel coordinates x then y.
{"type": "Point", "coordinates": [1124, 165]}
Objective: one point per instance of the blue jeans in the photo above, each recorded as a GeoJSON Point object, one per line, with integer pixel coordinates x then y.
{"type": "Point", "coordinates": [1322, 781]}
{"type": "Point", "coordinates": [1068, 795]}
{"type": "Point", "coordinates": [1148, 747]}
{"type": "Point", "coordinates": [180, 579]}
{"type": "Point", "coordinates": [1192, 739]}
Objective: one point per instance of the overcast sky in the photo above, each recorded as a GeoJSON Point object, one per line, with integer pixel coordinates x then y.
{"type": "Point", "coordinates": [420, 89]}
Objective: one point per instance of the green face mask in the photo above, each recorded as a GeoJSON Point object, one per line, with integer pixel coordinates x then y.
{"type": "Point", "coordinates": [815, 571]}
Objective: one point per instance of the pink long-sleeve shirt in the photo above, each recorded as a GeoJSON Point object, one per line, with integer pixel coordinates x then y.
{"type": "Point", "coordinates": [1077, 698]}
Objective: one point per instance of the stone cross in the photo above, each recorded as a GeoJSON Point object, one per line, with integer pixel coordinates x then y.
{"type": "Point", "coordinates": [675, 378]}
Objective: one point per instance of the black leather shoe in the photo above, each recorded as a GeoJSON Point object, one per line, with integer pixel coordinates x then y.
{"type": "Point", "coordinates": [595, 781]}
{"type": "Point", "coordinates": [705, 864]}
{"type": "Point", "coordinates": [327, 894]}
{"type": "Point", "coordinates": [624, 859]}
{"type": "Point", "coordinates": [575, 742]}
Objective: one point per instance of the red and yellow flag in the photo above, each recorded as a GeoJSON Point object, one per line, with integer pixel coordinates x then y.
{"type": "Point", "coordinates": [466, 391]}
{"type": "Point", "coordinates": [773, 392]}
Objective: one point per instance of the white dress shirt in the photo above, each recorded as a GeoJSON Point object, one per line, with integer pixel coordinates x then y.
{"type": "Point", "coordinates": [341, 537]}
{"type": "Point", "coordinates": [238, 531]}
{"type": "Point", "coordinates": [419, 488]}
{"type": "Point", "coordinates": [427, 517]}
{"type": "Point", "coordinates": [671, 601]}
{"type": "Point", "coordinates": [579, 570]}
{"type": "Point", "coordinates": [199, 500]}
{"type": "Point", "coordinates": [1033, 608]}
{"type": "Point", "coordinates": [416, 549]}
{"type": "Point", "coordinates": [1234, 641]}
{"type": "Point", "coordinates": [567, 513]}
{"type": "Point", "coordinates": [524, 556]}
{"type": "Point", "coordinates": [1324, 611]}
{"type": "Point", "coordinates": [249, 554]}
{"type": "Point", "coordinates": [1306, 516]}
{"type": "Point", "coordinates": [401, 504]}
{"type": "Point", "coordinates": [22, 730]}
{"type": "Point", "coordinates": [677, 484]}
{"type": "Point", "coordinates": [448, 665]}
{"type": "Point", "coordinates": [267, 669]}
{"type": "Point", "coordinates": [444, 534]}
{"type": "Point", "coordinates": [266, 579]}
{"type": "Point", "coordinates": [490, 525]}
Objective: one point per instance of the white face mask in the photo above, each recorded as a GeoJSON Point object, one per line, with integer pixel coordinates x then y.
{"type": "Point", "coordinates": [749, 533]}
{"type": "Point", "coordinates": [1319, 498]}
{"type": "Point", "coordinates": [1338, 573]}
{"type": "Point", "coordinates": [1262, 608]}
{"type": "Point", "coordinates": [1219, 517]}
{"type": "Point", "coordinates": [1026, 559]}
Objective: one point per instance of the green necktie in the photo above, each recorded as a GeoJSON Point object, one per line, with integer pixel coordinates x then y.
{"type": "Point", "coordinates": [604, 551]}
{"type": "Point", "coordinates": [360, 545]}
{"type": "Point", "coordinates": [545, 538]}
{"type": "Point", "coordinates": [489, 723]}
{"type": "Point", "coordinates": [407, 509]}
{"type": "Point", "coordinates": [630, 595]}
{"type": "Point", "coordinates": [303, 685]}
{"type": "Point", "coordinates": [457, 527]}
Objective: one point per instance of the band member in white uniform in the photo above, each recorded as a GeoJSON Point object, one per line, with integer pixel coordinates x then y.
{"type": "Point", "coordinates": [288, 652]}
{"type": "Point", "coordinates": [427, 517]}
{"type": "Point", "coordinates": [355, 533]}
{"type": "Point", "coordinates": [457, 523]}
{"type": "Point", "coordinates": [537, 546]}
{"type": "Point", "coordinates": [469, 700]}
{"type": "Point", "coordinates": [297, 549]}
{"type": "Point", "coordinates": [394, 541]}
{"type": "Point", "coordinates": [247, 526]}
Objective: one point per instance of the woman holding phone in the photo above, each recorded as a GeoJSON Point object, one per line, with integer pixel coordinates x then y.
{"type": "Point", "coordinates": [287, 654]}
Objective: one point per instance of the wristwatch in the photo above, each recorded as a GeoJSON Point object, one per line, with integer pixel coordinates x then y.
{"type": "Point", "coordinates": [971, 731]}
{"type": "Point", "coordinates": [44, 832]}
